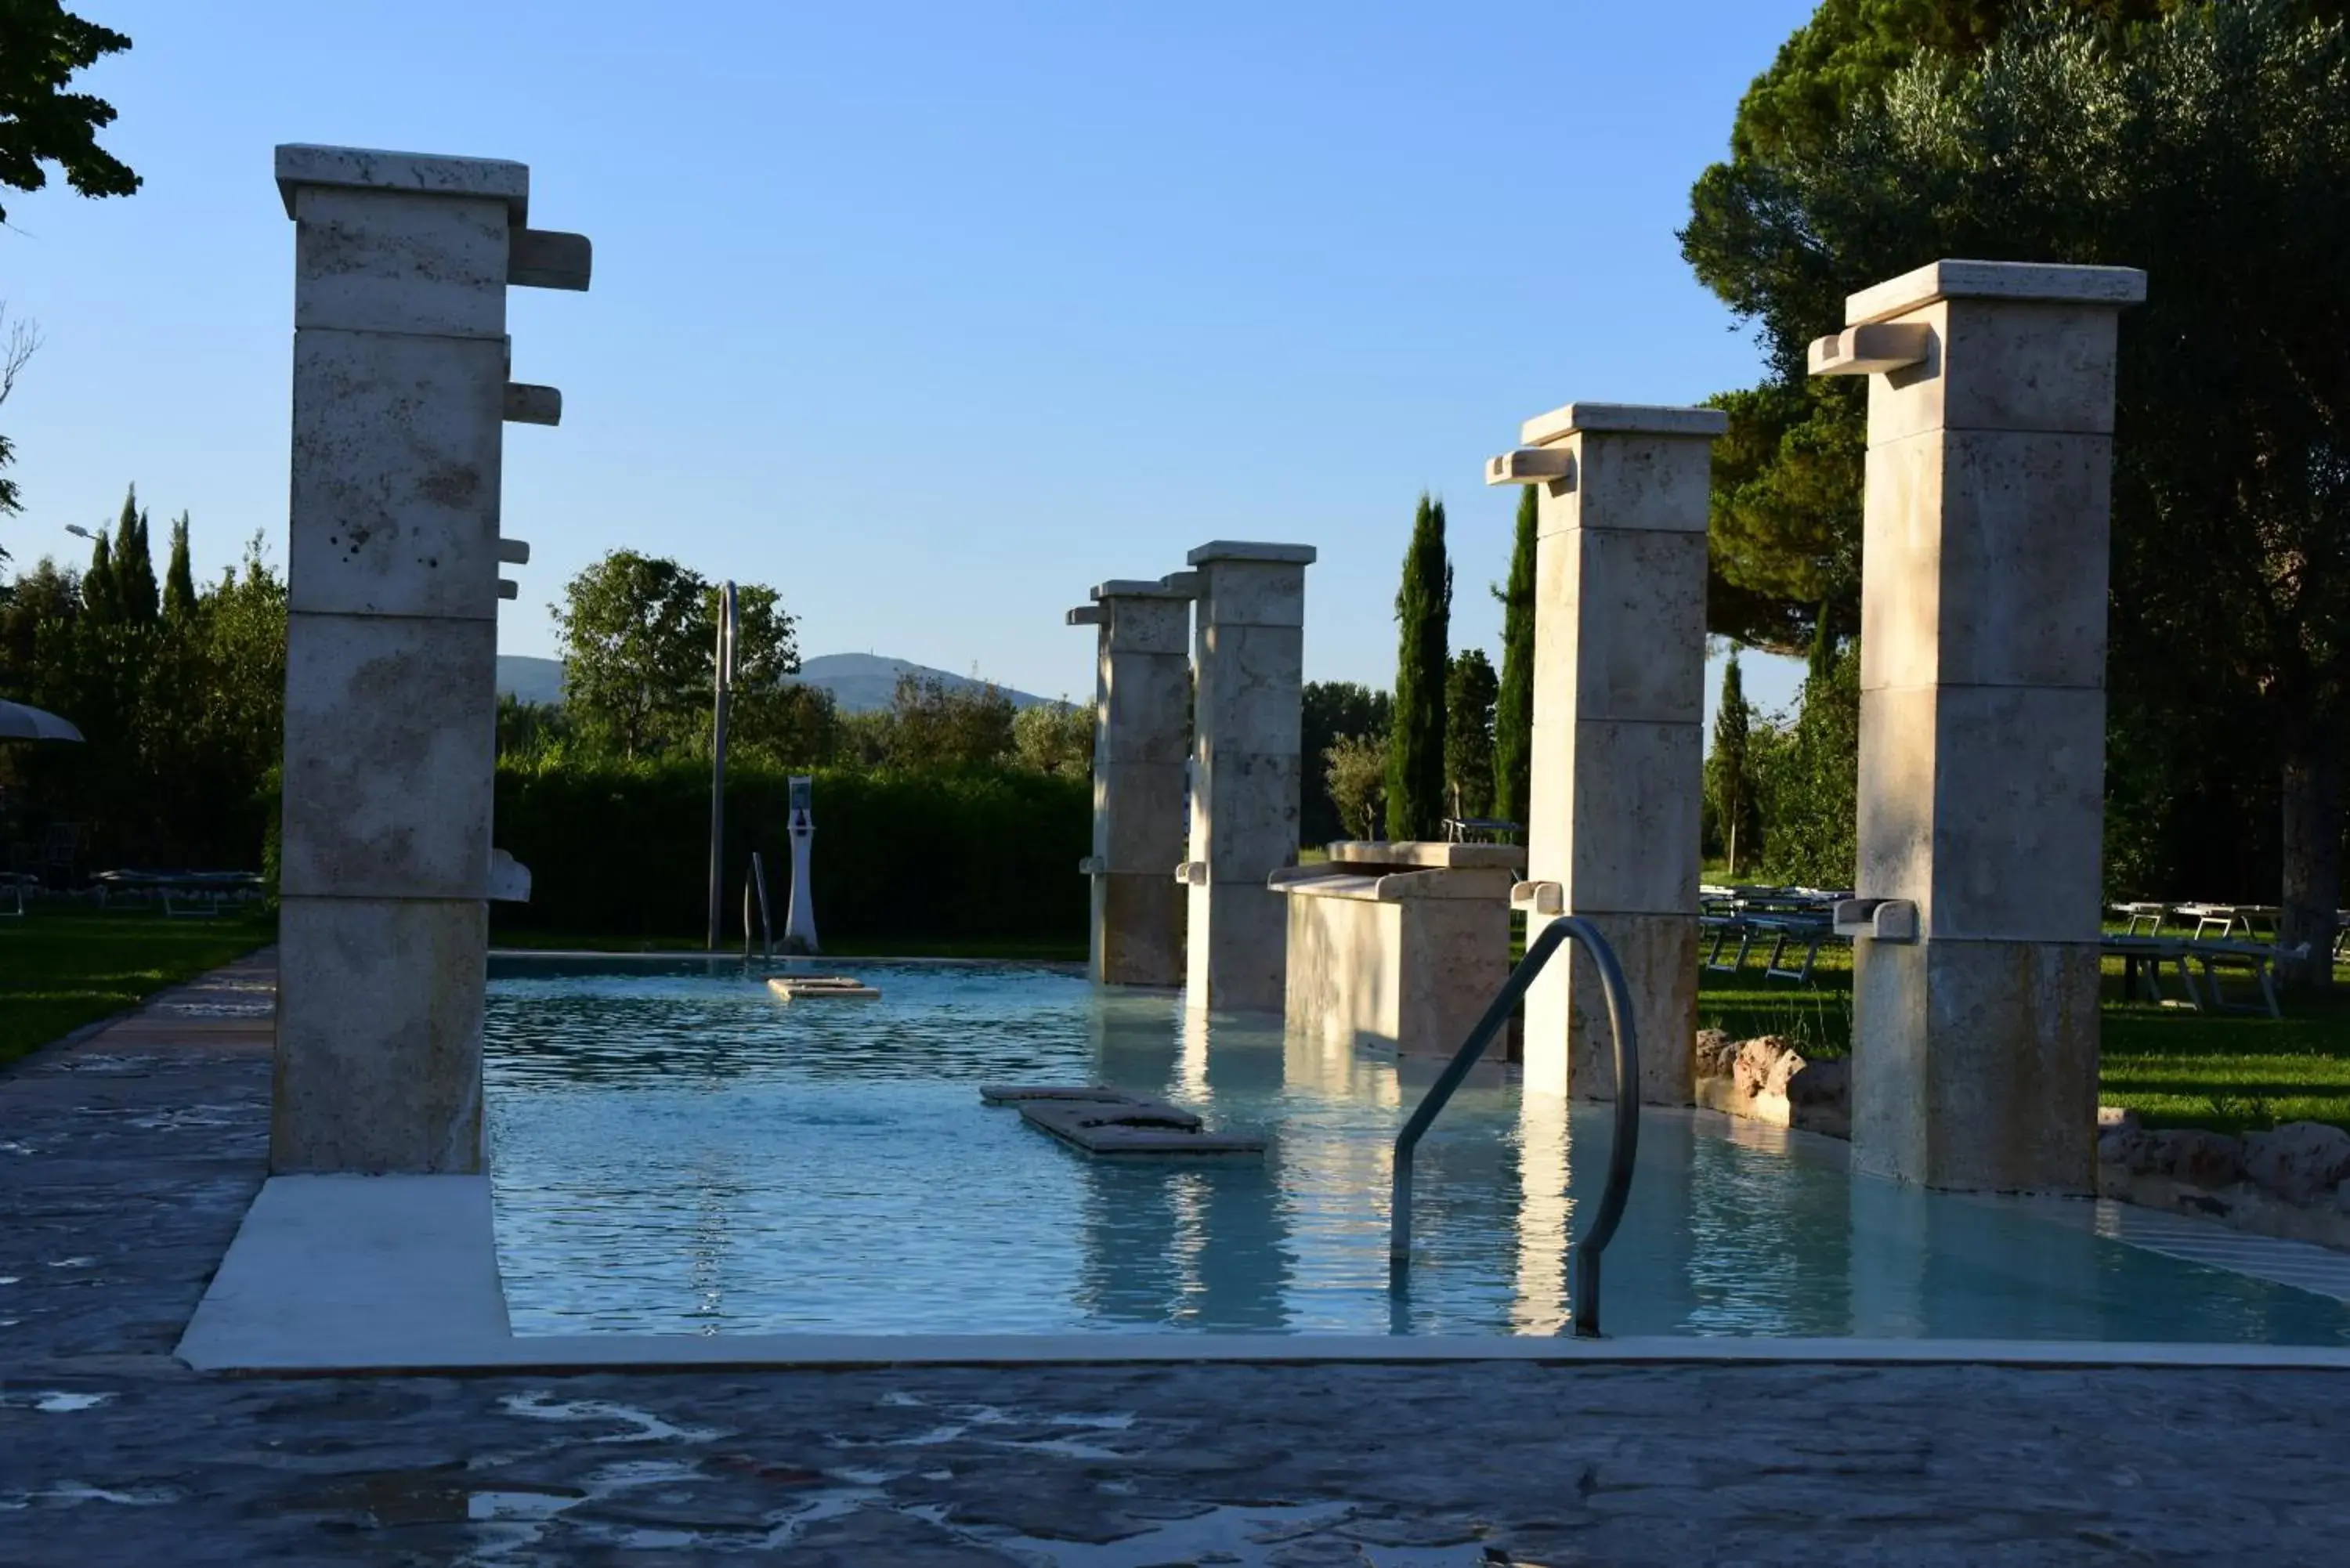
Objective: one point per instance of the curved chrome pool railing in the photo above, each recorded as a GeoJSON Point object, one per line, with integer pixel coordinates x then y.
{"type": "Point", "coordinates": [1620, 1155]}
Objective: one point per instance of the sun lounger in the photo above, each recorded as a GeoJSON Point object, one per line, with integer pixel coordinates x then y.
{"type": "Point", "coordinates": [2256, 959]}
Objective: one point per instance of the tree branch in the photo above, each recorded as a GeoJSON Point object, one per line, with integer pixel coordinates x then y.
{"type": "Point", "coordinates": [24, 340]}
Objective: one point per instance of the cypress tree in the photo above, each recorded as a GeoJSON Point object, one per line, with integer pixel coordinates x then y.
{"type": "Point", "coordinates": [1469, 688]}
{"type": "Point", "coordinates": [1416, 743]}
{"type": "Point", "coordinates": [1824, 646]}
{"type": "Point", "coordinates": [180, 577]}
{"type": "Point", "coordinates": [1733, 795]}
{"type": "Point", "coordinates": [136, 594]}
{"type": "Point", "coordinates": [1514, 707]}
{"type": "Point", "coordinates": [101, 605]}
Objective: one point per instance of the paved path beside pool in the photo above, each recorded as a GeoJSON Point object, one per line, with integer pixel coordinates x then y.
{"type": "Point", "coordinates": [127, 1160]}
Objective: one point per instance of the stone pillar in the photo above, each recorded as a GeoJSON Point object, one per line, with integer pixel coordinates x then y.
{"type": "Point", "coordinates": [401, 265]}
{"type": "Point", "coordinates": [1249, 659]}
{"type": "Point", "coordinates": [1142, 693]}
{"type": "Point", "coordinates": [1619, 706]}
{"type": "Point", "coordinates": [1982, 714]}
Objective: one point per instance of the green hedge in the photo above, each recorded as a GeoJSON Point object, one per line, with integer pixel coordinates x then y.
{"type": "Point", "coordinates": [619, 849]}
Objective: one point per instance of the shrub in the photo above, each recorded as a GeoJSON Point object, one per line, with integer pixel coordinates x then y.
{"type": "Point", "coordinates": [623, 849]}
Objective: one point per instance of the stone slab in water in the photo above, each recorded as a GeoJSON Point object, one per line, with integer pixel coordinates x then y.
{"type": "Point", "coordinates": [800, 987]}
{"type": "Point", "coordinates": [1013, 1095]}
{"type": "Point", "coordinates": [1103, 1121]}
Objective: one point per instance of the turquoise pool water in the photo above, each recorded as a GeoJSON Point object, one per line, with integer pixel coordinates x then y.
{"type": "Point", "coordinates": [675, 1151]}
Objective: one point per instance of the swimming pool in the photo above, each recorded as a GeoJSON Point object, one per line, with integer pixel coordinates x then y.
{"type": "Point", "coordinates": [673, 1150]}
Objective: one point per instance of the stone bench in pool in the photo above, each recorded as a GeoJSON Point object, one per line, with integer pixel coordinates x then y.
{"type": "Point", "coordinates": [1398, 945]}
{"type": "Point", "coordinates": [1104, 1121]}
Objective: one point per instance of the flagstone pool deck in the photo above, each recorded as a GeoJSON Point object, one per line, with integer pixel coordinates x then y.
{"type": "Point", "coordinates": [128, 1157]}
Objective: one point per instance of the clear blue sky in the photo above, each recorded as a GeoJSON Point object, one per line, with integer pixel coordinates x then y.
{"type": "Point", "coordinates": [932, 316]}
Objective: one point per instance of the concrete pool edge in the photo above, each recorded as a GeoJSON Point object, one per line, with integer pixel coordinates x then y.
{"type": "Point", "coordinates": [340, 1275]}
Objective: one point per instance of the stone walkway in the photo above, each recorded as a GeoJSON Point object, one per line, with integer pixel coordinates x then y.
{"type": "Point", "coordinates": [127, 1159]}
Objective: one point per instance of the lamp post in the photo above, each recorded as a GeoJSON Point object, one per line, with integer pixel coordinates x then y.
{"type": "Point", "coordinates": [724, 690]}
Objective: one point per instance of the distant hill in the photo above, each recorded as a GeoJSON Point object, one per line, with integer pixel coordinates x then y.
{"type": "Point", "coordinates": [530, 680]}
{"type": "Point", "coordinates": [859, 682]}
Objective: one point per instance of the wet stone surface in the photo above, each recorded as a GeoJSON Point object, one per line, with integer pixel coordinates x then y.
{"type": "Point", "coordinates": [123, 1177]}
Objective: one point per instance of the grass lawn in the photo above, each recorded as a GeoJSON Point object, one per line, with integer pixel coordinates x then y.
{"type": "Point", "coordinates": [2174, 1066]}
{"type": "Point", "coordinates": [60, 971]}
{"type": "Point", "coordinates": [1009, 948]}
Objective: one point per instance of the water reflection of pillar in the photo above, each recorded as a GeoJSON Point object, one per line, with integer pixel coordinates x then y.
{"type": "Point", "coordinates": [1769, 1251]}
{"type": "Point", "coordinates": [1653, 1260]}
{"type": "Point", "coordinates": [1138, 1044]}
{"type": "Point", "coordinates": [1333, 1168]}
{"type": "Point", "coordinates": [1191, 1070]}
{"type": "Point", "coordinates": [717, 1198]}
{"type": "Point", "coordinates": [1195, 1246]}
{"type": "Point", "coordinates": [1335, 1070]}
{"type": "Point", "coordinates": [1545, 1213]}
{"type": "Point", "coordinates": [1937, 1265]}
{"type": "Point", "coordinates": [1138, 1244]}
{"type": "Point", "coordinates": [1888, 1259]}
{"type": "Point", "coordinates": [1244, 1253]}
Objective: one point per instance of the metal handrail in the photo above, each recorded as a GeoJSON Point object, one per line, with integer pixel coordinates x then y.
{"type": "Point", "coordinates": [758, 880]}
{"type": "Point", "coordinates": [1620, 1157]}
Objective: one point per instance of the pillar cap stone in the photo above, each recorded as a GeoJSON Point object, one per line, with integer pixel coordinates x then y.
{"type": "Point", "coordinates": [424, 173]}
{"type": "Point", "coordinates": [1625, 419]}
{"type": "Point", "coordinates": [1427, 855]}
{"type": "Point", "coordinates": [1246, 550]}
{"type": "Point", "coordinates": [2049, 282]}
{"type": "Point", "coordinates": [1180, 585]}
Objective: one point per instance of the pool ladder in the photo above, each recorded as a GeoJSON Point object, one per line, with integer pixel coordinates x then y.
{"type": "Point", "coordinates": [1620, 1155]}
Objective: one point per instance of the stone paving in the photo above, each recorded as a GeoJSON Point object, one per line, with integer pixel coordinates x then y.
{"type": "Point", "coordinates": [127, 1159]}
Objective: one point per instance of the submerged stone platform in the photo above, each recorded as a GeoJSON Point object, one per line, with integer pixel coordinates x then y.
{"type": "Point", "coordinates": [1104, 1121]}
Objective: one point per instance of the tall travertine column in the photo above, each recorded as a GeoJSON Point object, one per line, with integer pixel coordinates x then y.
{"type": "Point", "coordinates": [1982, 714]}
{"type": "Point", "coordinates": [1142, 693]}
{"type": "Point", "coordinates": [400, 392]}
{"type": "Point", "coordinates": [1619, 706]}
{"type": "Point", "coordinates": [1249, 662]}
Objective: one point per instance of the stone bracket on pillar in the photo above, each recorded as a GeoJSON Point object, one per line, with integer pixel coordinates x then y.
{"type": "Point", "coordinates": [1878, 919]}
{"type": "Point", "coordinates": [1193, 873]}
{"type": "Point", "coordinates": [529, 405]}
{"type": "Point", "coordinates": [1551, 465]}
{"type": "Point", "coordinates": [1538, 898]}
{"type": "Point", "coordinates": [515, 551]}
{"type": "Point", "coordinates": [1087, 615]}
{"type": "Point", "coordinates": [548, 258]}
{"type": "Point", "coordinates": [1871, 350]}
